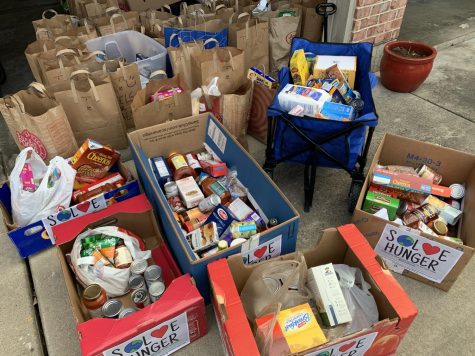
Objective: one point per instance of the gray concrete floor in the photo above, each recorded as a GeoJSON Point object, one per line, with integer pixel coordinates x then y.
{"type": "Point", "coordinates": [445, 321]}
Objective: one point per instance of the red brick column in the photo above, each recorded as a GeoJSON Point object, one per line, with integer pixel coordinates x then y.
{"type": "Point", "coordinates": [377, 21]}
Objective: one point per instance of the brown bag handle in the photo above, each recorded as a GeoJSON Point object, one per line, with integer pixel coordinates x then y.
{"type": "Point", "coordinates": [43, 15]}
{"type": "Point", "coordinates": [66, 52]}
{"type": "Point", "coordinates": [39, 88]}
{"type": "Point", "coordinates": [91, 84]}
{"type": "Point", "coordinates": [115, 16]}
{"type": "Point", "coordinates": [158, 72]}
{"type": "Point", "coordinates": [209, 40]}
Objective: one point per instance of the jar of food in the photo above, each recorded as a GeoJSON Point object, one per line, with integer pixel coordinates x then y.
{"type": "Point", "coordinates": [173, 199]}
{"type": "Point", "coordinates": [93, 298]}
{"type": "Point", "coordinates": [209, 203]}
{"type": "Point", "coordinates": [194, 163]}
{"type": "Point", "coordinates": [425, 213]}
{"type": "Point", "coordinates": [122, 256]}
{"type": "Point", "coordinates": [179, 167]}
{"type": "Point", "coordinates": [211, 186]}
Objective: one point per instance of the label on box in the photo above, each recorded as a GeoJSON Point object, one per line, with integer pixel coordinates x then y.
{"type": "Point", "coordinates": [415, 253]}
{"type": "Point", "coordinates": [252, 252]}
{"type": "Point", "coordinates": [86, 207]}
{"type": "Point", "coordinates": [162, 339]}
{"type": "Point", "coordinates": [217, 136]}
{"type": "Point", "coordinates": [354, 347]}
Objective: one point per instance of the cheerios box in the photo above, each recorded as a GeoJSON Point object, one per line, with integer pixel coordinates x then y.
{"type": "Point", "coordinates": [161, 328]}
{"type": "Point", "coordinates": [343, 245]}
{"type": "Point", "coordinates": [451, 258]}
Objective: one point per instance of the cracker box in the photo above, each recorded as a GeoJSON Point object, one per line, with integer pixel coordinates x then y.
{"type": "Point", "coordinates": [343, 245]}
{"type": "Point", "coordinates": [346, 65]}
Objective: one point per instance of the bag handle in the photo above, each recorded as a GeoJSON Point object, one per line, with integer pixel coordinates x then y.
{"type": "Point", "coordinates": [93, 54]}
{"type": "Point", "coordinates": [209, 40]}
{"type": "Point", "coordinates": [66, 52]}
{"type": "Point", "coordinates": [62, 38]}
{"type": "Point", "coordinates": [43, 15]}
{"type": "Point", "coordinates": [158, 72]}
{"type": "Point", "coordinates": [184, 8]}
{"type": "Point", "coordinates": [115, 16]}
{"type": "Point", "coordinates": [15, 101]}
{"type": "Point", "coordinates": [111, 9]}
{"type": "Point", "coordinates": [43, 30]}
{"type": "Point", "coordinates": [219, 7]}
{"type": "Point", "coordinates": [91, 84]}
{"type": "Point", "coordinates": [159, 28]}
{"type": "Point", "coordinates": [39, 88]}
{"type": "Point", "coordinates": [167, 7]}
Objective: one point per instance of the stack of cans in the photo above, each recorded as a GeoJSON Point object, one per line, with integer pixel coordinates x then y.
{"type": "Point", "coordinates": [146, 283]}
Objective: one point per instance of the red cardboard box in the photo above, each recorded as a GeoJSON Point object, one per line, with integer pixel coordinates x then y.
{"type": "Point", "coordinates": [165, 326]}
{"type": "Point", "coordinates": [343, 245]}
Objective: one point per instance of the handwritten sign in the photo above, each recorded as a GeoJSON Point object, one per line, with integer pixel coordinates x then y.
{"type": "Point", "coordinates": [162, 339]}
{"type": "Point", "coordinates": [425, 257]}
{"type": "Point", "coordinates": [354, 347]}
{"type": "Point", "coordinates": [252, 252]}
{"type": "Point", "coordinates": [86, 207]}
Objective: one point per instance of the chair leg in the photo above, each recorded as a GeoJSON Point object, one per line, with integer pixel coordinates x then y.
{"type": "Point", "coordinates": [269, 164]}
{"type": "Point", "coordinates": [310, 173]}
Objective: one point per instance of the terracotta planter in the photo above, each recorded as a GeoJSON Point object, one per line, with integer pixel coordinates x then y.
{"type": "Point", "coordinates": [404, 74]}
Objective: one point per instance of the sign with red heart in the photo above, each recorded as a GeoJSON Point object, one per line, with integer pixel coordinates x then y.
{"type": "Point", "coordinates": [405, 250]}
{"type": "Point", "coordinates": [253, 252]}
{"type": "Point", "coordinates": [353, 347]}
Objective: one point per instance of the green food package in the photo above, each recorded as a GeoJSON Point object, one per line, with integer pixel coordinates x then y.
{"type": "Point", "coordinates": [374, 201]}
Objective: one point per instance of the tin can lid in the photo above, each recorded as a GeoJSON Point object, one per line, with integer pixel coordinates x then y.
{"type": "Point", "coordinates": [457, 191]}
{"type": "Point", "coordinates": [153, 273]}
{"type": "Point", "coordinates": [214, 199]}
{"type": "Point", "coordinates": [156, 289]}
{"type": "Point", "coordinates": [138, 266]}
{"type": "Point", "coordinates": [272, 283]}
{"type": "Point", "coordinates": [92, 292]}
{"type": "Point", "coordinates": [170, 188]}
{"type": "Point", "coordinates": [440, 227]}
{"type": "Point", "coordinates": [139, 296]}
{"type": "Point", "coordinates": [111, 308]}
{"type": "Point", "coordinates": [126, 312]}
{"type": "Point", "coordinates": [455, 204]}
{"type": "Point", "coordinates": [273, 222]}
{"type": "Point", "coordinates": [136, 281]}
{"type": "Point", "coordinates": [222, 245]}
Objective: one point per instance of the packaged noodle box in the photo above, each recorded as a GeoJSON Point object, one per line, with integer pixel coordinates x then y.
{"type": "Point", "coordinates": [346, 65]}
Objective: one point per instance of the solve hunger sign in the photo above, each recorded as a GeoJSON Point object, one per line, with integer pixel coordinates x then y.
{"type": "Point", "coordinates": [354, 347]}
{"type": "Point", "coordinates": [425, 257]}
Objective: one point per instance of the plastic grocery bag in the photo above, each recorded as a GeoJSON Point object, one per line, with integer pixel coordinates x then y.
{"type": "Point", "coordinates": [54, 187]}
{"type": "Point", "coordinates": [360, 301]}
{"type": "Point", "coordinates": [115, 281]}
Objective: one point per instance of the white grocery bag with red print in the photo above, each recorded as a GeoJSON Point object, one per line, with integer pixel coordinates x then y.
{"type": "Point", "coordinates": [38, 190]}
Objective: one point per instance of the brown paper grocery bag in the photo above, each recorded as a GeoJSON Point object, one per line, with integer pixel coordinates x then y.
{"type": "Point", "coordinates": [252, 37]}
{"type": "Point", "coordinates": [34, 49]}
{"type": "Point", "coordinates": [148, 113]}
{"type": "Point", "coordinates": [37, 120]}
{"type": "Point", "coordinates": [311, 21]}
{"type": "Point", "coordinates": [57, 24]}
{"type": "Point", "coordinates": [95, 8]}
{"type": "Point", "coordinates": [83, 33]}
{"type": "Point", "coordinates": [93, 110]}
{"type": "Point", "coordinates": [180, 58]}
{"type": "Point", "coordinates": [120, 21]}
{"type": "Point", "coordinates": [227, 63]}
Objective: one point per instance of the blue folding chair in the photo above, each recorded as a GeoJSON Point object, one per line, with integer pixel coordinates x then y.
{"type": "Point", "coordinates": [318, 142]}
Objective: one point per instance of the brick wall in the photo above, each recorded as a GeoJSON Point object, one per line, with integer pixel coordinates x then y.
{"type": "Point", "coordinates": [377, 21]}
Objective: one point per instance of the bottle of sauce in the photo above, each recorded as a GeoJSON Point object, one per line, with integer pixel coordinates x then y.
{"type": "Point", "coordinates": [179, 167]}
{"type": "Point", "coordinates": [211, 186]}
{"type": "Point", "coordinates": [122, 256]}
{"type": "Point", "coordinates": [93, 298]}
{"type": "Point", "coordinates": [173, 199]}
{"type": "Point", "coordinates": [425, 213]}
{"type": "Point", "coordinates": [194, 163]}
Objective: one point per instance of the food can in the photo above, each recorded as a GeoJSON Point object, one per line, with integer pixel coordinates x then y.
{"type": "Point", "coordinates": [136, 281]}
{"type": "Point", "coordinates": [112, 308]}
{"type": "Point", "coordinates": [440, 227]}
{"type": "Point", "coordinates": [152, 274]}
{"type": "Point", "coordinates": [273, 222]}
{"type": "Point", "coordinates": [222, 245]}
{"type": "Point", "coordinates": [126, 312]}
{"type": "Point", "coordinates": [138, 266]}
{"type": "Point", "coordinates": [428, 173]}
{"type": "Point", "coordinates": [156, 290]}
{"type": "Point", "coordinates": [209, 203]}
{"type": "Point", "coordinates": [457, 191]}
{"type": "Point", "coordinates": [140, 298]}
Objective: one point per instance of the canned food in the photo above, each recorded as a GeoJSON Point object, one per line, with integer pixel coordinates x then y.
{"type": "Point", "coordinates": [152, 274]}
{"type": "Point", "coordinates": [137, 281]}
{"type": "Point", "coordinates": [209, 203]}
{"type": "Point", "coordinates": [112, 308]}
{"type": "Point", "coordinates": [457, 191]}
{"type": "Point", "coordinates": [93, 298]}
{"type": "Point", "coordinates": [126, 312]}
{"type": "Point", "coordinates": [273, 222]}
{"type": "Point", "coordinates": [222, 245]}
{"type": "Point", "coordinates": [140, 298]}
{"type": "Point", "coordinates": [138, 266]}
{"type": "Point", "coordinates": [156, 290]}
{"type": "Point", "coordinates": [440, 227]}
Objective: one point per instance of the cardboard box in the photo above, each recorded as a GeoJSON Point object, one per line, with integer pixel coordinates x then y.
{"type": "Point", "coordinates": [33, 238]}
{"type": "Point", "coordinates": [455, 167]}
{"type": "Point", "coordinates": [345, 245]}
{"type": "Point", "coordinates": [172, 322]}
{"type": "Point", "coordinates": [346, 64]}
{"type": "Point", "coordinates": [188, 135]}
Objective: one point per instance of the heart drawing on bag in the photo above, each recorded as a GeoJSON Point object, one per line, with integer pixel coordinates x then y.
{"type": "Point", "coordinates": [84, 206]}
{"type": "Point", "coordinates": [429, 249]}
{"type": "Point", "coordinates": [160, 332]}
{"type": "Point", "coordinates": [260, 251]}
{"type": "Point", "coordinates": [346, 347]}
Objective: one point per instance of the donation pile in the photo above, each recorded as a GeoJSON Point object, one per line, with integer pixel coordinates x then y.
{"type": "Point", "coordinates": [323, 87]}
{"type": "Point", "coordinates": [212, 207]}
{"type": "Point", "coordinates": [295, 309]}
{"type": "Point", "coordinates": [414, 197]}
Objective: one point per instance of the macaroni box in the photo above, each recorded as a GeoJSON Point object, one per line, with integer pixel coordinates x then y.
{"type": "Point", "coordinates": [162, 327]}
{"type": "Point", "coordinates": [455, 167]}
{"type": "Point", "coordinates": [37, 236]}
{"type": "Point", "coordinates": [187, 135]}
{"type": "Point", "coordinates": [343, 245]}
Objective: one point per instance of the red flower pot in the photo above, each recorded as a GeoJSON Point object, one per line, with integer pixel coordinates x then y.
{"type": "Point", "coordinates": [405, 74]}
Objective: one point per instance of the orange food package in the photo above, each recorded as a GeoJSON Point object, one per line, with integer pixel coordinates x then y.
{"type": "Point", "coordinates": [93, 159]}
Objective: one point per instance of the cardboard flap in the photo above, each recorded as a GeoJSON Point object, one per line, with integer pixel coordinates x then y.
{"type": "Point", "coordinates": [67, 232]}
{"type": "Point", "coordinates": [395, 294]}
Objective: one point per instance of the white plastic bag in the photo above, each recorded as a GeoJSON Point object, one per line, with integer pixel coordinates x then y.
{"type": "Point", "coordinates": [55, 187]}
{"type": "Point", "coordinates": [360, 301]}
{"type": "Point", "coordinates": [115, 281]}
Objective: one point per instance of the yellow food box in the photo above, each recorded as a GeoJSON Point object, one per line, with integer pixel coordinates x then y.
{"type": "Point", "coordinates": [346, 65]}
{"type": "Point", "coordinates": [299, 67]}
{"type": "Point", "coordinates": [300, 328]}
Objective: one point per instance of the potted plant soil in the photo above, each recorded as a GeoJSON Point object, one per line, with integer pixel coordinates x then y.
{"type": "Point", "coordinates": [406, 64]}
